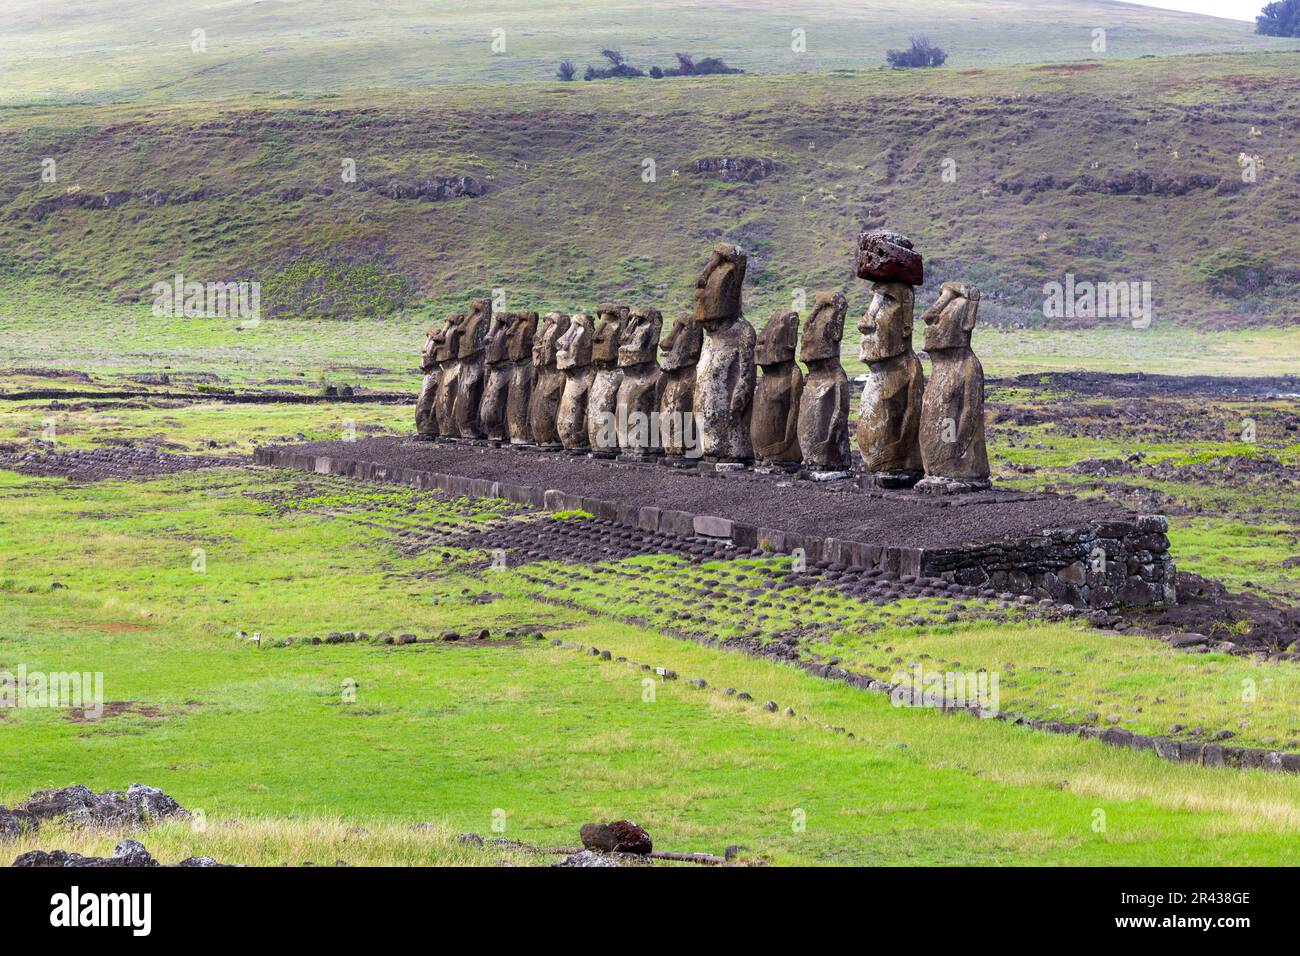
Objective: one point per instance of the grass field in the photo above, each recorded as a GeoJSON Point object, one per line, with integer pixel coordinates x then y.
{"type": "Point", "coordinates": [451, 733]}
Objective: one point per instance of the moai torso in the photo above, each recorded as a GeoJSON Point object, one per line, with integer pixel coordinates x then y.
{"type": "Point", "coordinates": [548, 381]}
{"type": "Point", "coordinates": [573, 359]}
{"type": "Point", "coordinates": [469, 388]}
{"type": "Point", "coordinates": [496, 384]}
{"type": "Point", "coordinates": [824, 405]}
{"type": "Point", "coordinates": [449, 374]}
{"type": "Point", "coordinates": [774, 426]}
{"type": "Point", "coordinates": [724, 377]}
{"type": "Point", "coordinates": [637, 407]}
{"type": "Point", "coordinates": [890, 414]}
{"type": "Point", "coordinates": [602, 401]}
{"type": "Point", "coordinates": [952, 413]}
{"type": "Point", "coordinates": [681, 352]}
{"type": "Point", "coordinates": [426, 422]}
{"type": "Point", "coordinates": [519, 351]}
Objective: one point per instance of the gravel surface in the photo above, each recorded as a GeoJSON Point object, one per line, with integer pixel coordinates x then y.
{"type": "Point", "coordinates": [899, 519]}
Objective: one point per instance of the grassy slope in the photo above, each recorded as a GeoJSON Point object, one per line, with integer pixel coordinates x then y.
{"type": "Point", "coordinates": [553, 738]}
{"type": "Point", "coordinates": [74, 50]}
{"type": "Point", "coordinates": [568, 220]}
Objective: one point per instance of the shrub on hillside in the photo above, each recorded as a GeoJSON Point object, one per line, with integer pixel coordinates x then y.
{"type": "Point", "coordinates": [566, 71]}
{"type": "Point", "coordinates": [1280, 19]}
{"type": "Point", "coordinates": [686, 66]}
{"type": "Point", "coordinates": [921, 53]}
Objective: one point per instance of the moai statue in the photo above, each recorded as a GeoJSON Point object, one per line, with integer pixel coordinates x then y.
{"type": "Point", "coordinates": [445, 354]}
{"type": "Point", "coordinates": [890, 414]}
{"type": "Point", "coordinates": [724, 377]}
{"type": "Point", "coordinates": [602, 402]}
{"type": "Point", "coordinates": [637, 409]}
{"type": "Point", "coordinates": [952, 413]}
{"type": "Point", "coordinates": [426, 422]}
{"type": "Point", "coordinates": [519, 351]}
{"type": "Point", "coordinates": [824, 405]}
{"type": "Point", "coordinates": [548, 382]}
{"type": "Point", "coordinates": [774, 428]}
{"type": "Point", "coordinates": [469, 390]}
{"type": "Point", "coordinates": [681, 350]}
{"type": "Point", "coordinates": [496, 382]}
{"type": "Point", "coordinates": [573, 359]}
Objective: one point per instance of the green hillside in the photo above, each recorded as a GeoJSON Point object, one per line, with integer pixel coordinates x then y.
{"type": "Point", "coordinates": [83, 51]}
{"type": "Point", "coordinates": [1124, 171]}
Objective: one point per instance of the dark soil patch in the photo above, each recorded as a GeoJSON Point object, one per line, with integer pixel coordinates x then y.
{"type": "Point", "coordinates": [1142, 385]}
{"type": "Point", "coordinates": [1247, 621]}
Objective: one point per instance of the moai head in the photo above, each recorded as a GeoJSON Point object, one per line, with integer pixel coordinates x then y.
{"type": "Point", "coordinates": [554, 325]}
{"type": "Point", "coordinates": [494, 343]}
{"type": "Point", "coordinates": [681, 346]}
{"type": "Point", "coordinates": [519, 336]}
{"type": "Point", "coordinates": [887, 326]}
{"type": "Point", "coordinates": [611, 320]}
{"type": "Point", "coordinates": [640, 337]}
{"type": "Point", "coordinates": [888, 257]}
{"type": "Point", "coordinates": [449, 348]}
{"type": "Point", "coordinates": [717, 290]}
{"type": "Point", "coordinates": [825, 327]}
{"type": "Point", "coordinates": [476, 328]}
{"type": "Point", "coordinates": [948, 323]}
{"type": "Point", "coordinates": [573, 349]}
{"type": "Point", "coordinates": [433, 340]}
{"type": "Point", "coordinates": [779, 338]}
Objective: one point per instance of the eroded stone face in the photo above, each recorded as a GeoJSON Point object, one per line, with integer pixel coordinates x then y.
{"type": "Point", "coordinates": [774, 427]}
{"type": "Point", "coordinates": [889, 416]}
{"type": "Point", "coordinates": [448, 346]}
{"type": "Point", "coordinates": [474, 337]}
{"type": "Point", "coordinates": [885, 256]}
{"type": "Point", "coordinates": [548, 381]}
{"type": "Point", "coordinates": [608, 335]}
{"type": "Point", "coordinates": [449, 375]}
{"type": "Point", "coordinates": [637, 405]}
{"type": "Point", "coordinates": [681, 352]}
{"type": "Point", "coordinates": [496, 384]}
{"type": "Point", "coordinates": [640, 337]}
{"type": "Point", "coordinates": [824, 329]}
{"type": "Point", "coordinates": [573, 348]}
{"type": "Point", "coordinates": [554, 325]}
{"type": "Point", "coordinates": [824, 404]}
{"type": "Point", "coordinates": [717, 290]}
{"type": "Point", "coordinates": [887, 325]}
{"type": "Point", "coordinates": [426, 421]}
{"type": "Point", "coordinates": [779, 338]}
{"type": "Point", "coordinates": [519, 336]}
{"type": "Point", "coordinates": [950, 321]}
{"type": "Point", "coordinates": [494, 343]}
{"type": "Point", "coordinates": [680, 348]}
{"type": "Point", "coordinates": [952, 412]}
{"type": "Point", "coordinates": [573, 358]}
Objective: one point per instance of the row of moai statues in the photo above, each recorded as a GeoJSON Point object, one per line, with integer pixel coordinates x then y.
{"type": "Point", "coordinates": [593, 384]}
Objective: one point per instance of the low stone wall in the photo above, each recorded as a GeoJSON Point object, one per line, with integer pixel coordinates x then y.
{"type": "Point", "coordinates": [1105, 564]}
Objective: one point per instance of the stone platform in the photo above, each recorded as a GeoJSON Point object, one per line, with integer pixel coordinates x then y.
{"type": "Point", "coordinates": [1049, 547]}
